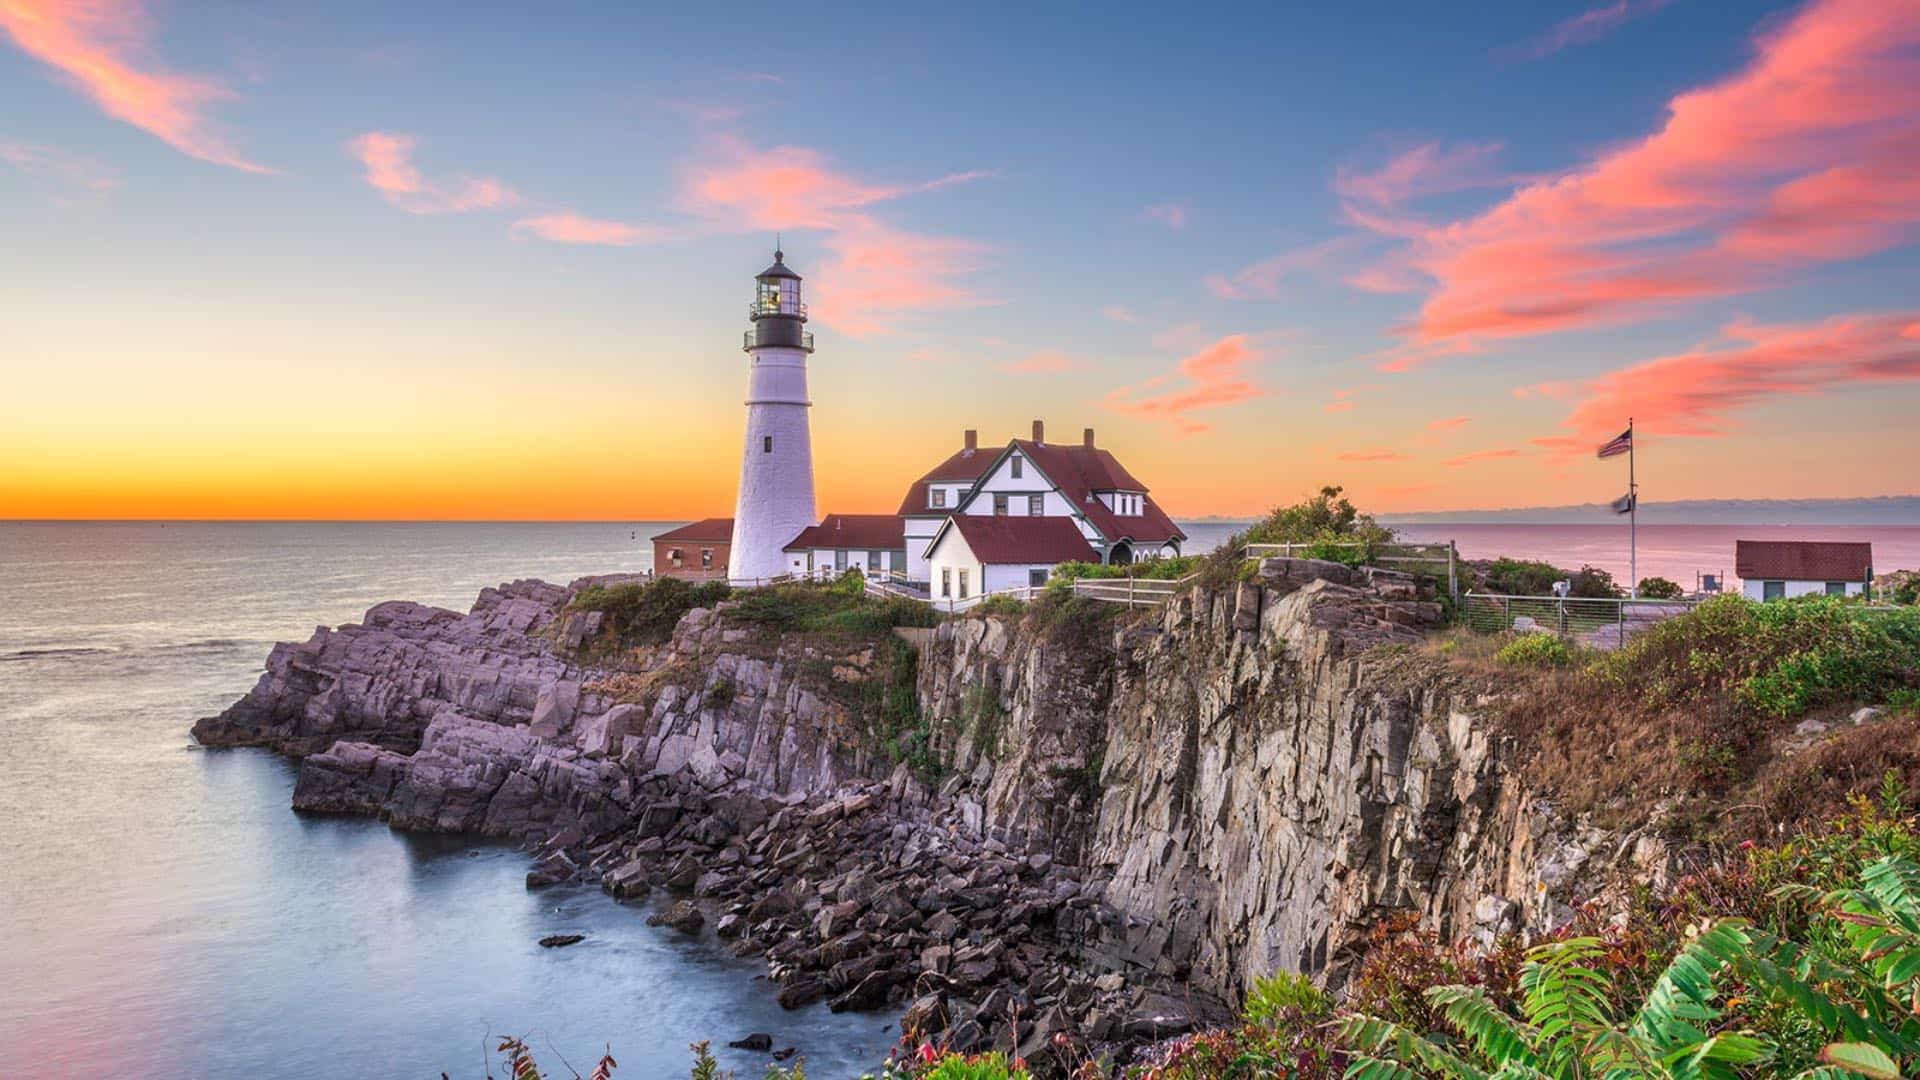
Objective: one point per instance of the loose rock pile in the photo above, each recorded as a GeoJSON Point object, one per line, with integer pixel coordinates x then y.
{"type": "Point", "coordinates": [871, 900]}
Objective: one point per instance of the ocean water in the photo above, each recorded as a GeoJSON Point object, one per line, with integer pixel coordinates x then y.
{"type": "Point", "coordinates": [163, 913]}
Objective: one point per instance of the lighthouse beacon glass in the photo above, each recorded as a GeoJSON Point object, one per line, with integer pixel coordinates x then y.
{"type": "Point", "coordinates": [775, 499]}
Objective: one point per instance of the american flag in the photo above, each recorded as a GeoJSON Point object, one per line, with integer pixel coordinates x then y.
{"type": "Point", "coordinates": [1623, 504]}
{"type": "Point", "coordinates": [1621, 443]}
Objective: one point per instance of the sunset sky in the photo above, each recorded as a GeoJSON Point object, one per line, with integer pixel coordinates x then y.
{"type": "Point", "coordinates": [363, 260]}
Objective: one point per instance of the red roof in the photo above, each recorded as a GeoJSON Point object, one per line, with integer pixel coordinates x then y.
{"type": "Point", "coordinates": [871, 531]}
{"type": "Point", "coordinates": [1079, 471]}
{"type": "Point", "coordinates": [1802, 560]}
{"type": "Point", "coordinates": [709, 530]}
{"type": "Point", "coordinates": [1023, 539]}
{"type": "Point", "coordinates": [964, 467]}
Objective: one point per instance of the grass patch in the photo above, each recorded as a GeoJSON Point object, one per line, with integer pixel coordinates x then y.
{"type": "Point", "coordinates": [646, 613]}
{"type": "Point", "coordinates": [1536, 650]}
{"type": "Point", "coordinates": [833, 609]}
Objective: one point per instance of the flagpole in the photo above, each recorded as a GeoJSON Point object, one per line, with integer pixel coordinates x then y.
{"type": "Point", "coordinates": [1633, 520]}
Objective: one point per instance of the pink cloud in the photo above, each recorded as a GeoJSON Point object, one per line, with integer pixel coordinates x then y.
{"type": "Point", "coordinates": [1697, 392]}
{"type": "Point", "coordinates": [1172, 215]}
{"type": "Point", "coordinates": [877, 273]}
{"type": "Point", "coordinates": [1449, 423]}
{"type": "Point", "coordinates": [1118, 313]}
{"type": "Point", "coordinates": [1045, 362]}
{"type": "Point", "coordinates": [70, 170]}
{"type": "Point", "coordinates": [388, 160]}
{"type": "Point", "coordinates": [1264, 278]}
{"type": "Point", "coordinates": [1806, 155]}
{"type": "Point", "coordinates": [1481, 455]}
{"type": "Point", "coordinates": [100, 46]}
{"type": "Point", "coordinates": [1589, 26]}
{"type": "Point", "coordinates": [567, 227]}
{"type": "Point", "coordinates": [1361, 456]}
{"type": "Point", "coordinates": [1343, 398]}
{"type": "Point", "coordinates": [1211, 378]}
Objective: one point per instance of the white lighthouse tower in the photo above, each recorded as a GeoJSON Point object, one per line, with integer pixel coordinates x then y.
{"type": "Point", "coordinates": [775, 500]}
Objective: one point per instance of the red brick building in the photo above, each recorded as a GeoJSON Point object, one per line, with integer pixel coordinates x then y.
{"type": "Point", "coordinates": [697, 552]}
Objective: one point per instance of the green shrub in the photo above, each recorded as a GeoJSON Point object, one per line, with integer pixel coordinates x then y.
{"type": "Point", "coordinates": [1659, 588]}
{"type": "Point", "coordinates": [1325, 516]}
{"type": "Point", "coordinates": [999, 604]}
{"type": "Point", "coordinates": [1273, 996]}
{"type": "Point", "coordinates": [646, 613]}
{"type": "Point", "coordinates": [1528, 577]}
{"type": "Point", "coordinates": [835, 608]}
{"type": "Point", "coordinates": [1171, 569]}
{"type": "Point", "coordinates": [1536, 650]}
{"type": "Point", "coordinates": [1779, 659]}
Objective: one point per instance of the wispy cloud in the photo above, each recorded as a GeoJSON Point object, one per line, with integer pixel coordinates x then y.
{"type": "Point", "coordinates": [1215, 376]}
{"type": "Point", "coordinates": [1343, 397]}
{"type": "Point", "coordinates": [387, 158]}
{"type": "Point", "coordinates": [73, 173]}
{"type": "Point", "coordinates": [1589, 26]}
{"type": "Point", "coordinates": [1809, 154]}
{"type": "Point", "coordinates": [101, 47]}
{"type": "Point", "coordinates": [1497, 454]}
{"type": "Point", "coordinates": [1046, 362]}
{"type": "Point", "coordinates": [1172, 215]}
{"type": "Point", "coordinates": [1369, 456]}
{"type": "Point", "coordinates": [1264, 278]}
{"type": "Point", "coordinates": [1699, 392]}
{"type": "Point", "coordinates": [566, 227]}
{"type": "Point", "coordinates": [1449, 423]}
{"type": "Point", "coordinates": [1119, 313]}
{"type": "Point", "coordinates": [878, 272]}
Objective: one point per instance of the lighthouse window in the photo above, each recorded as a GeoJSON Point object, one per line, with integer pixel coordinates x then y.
{"type": "Point", "coordinates": [766, 445]}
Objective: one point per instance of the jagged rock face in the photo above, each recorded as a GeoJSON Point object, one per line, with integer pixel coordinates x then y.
{"type": "Point", "coordinates": [1271, 784]}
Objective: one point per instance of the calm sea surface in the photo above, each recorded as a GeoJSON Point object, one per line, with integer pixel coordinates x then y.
{"type": "Point", "coordinates": [164, 914]}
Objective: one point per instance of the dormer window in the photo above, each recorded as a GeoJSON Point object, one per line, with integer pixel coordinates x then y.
{"type": "Point", "coordinates": [1016, 465]}
{"type": "Point", "coordinates": [937, 497]}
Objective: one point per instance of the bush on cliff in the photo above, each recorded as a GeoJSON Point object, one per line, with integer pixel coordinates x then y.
{"type": "Point", "coordinates": [1536, 650]}
{"type": "Point", "coordinates": [1529, 577]}
{"type": "Point", "coordinates": [646, 613]}
{"type": "Point", "coordinates": [1322, 517]}
{"type": "Point", "coordinates": [1147, 570]}
{"type": "Point", "coordinates": [832, 608]}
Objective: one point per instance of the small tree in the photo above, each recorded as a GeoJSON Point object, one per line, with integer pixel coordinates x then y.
{"type": "Point", "coordinates": [1659, 588]}
{"type": "Point", "coordinates": [1327, 516]}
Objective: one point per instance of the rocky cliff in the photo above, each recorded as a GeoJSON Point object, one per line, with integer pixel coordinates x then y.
{"type": "Point", "coordinates": [1116, 822]}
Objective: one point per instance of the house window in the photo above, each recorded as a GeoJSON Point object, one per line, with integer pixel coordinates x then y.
{"type": "Point", "coordinates": [1773, 590]}
{"type": "Point", "coordinates": [963, 584]}
{"type": "Point", "coordinates": [873, 562]}
{"type": "Point", "coordinates": [946, 581]}
{"type": "Point", "coordinates": [1036, 505]}
{"type": "Point", "coordinates": [674, 556]}
{"type": "Point", "coordinates": [1017, 465]}
{"type": "Point", "coordinates": [937, 497]}
{"type": "Point", "coordinates": [840, 562]}
{"type": "Point", "coordinates": [1000, 504]}
{"type": "Point", "coordinates": [1037, 576]}
{"type": "Point", "coordinates": [706, 558]}
{"type": "Point", "coordinates": [1836, 588]}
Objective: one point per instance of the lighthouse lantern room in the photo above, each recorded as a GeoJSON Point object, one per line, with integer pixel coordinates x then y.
{"type": "Point", "coordinates": [775, 498]}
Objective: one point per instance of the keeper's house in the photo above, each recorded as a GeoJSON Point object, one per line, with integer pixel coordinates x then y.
{"type": "Point", "coordinates": [874, 544]}
{"type": "Point", "coordinates": [1777, 569]}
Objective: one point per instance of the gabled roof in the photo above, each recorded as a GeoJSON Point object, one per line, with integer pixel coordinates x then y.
{"type": "Point", "coordinates": [1020, 539]}
{"type": "Point", "coordinates": [871, 531]}
{"type": "Point", "coordinates": [964, 467]}
{"type": "Point", "coordinates": [1802, 560]}
{"type": "Point", "coordinates": [709, 530]}
{"type": "Point", "coordinates": [1080, 470]}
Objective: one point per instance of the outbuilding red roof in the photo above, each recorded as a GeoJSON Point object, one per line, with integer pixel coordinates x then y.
{"type": "Point", "coordinates": [871, 531]}
{"type": "Point", "coordinates": [1006, 539]}
{"type": "Point", "coordinates": [1802, 560]}
{"type": "Point", "coordinates": [706, 530]}
{"type": "Point", "coordinates": [1080, 470]}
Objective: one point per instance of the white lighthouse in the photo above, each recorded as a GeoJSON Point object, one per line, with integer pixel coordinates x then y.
{"type": "Point", "coordinates": [775, 500]}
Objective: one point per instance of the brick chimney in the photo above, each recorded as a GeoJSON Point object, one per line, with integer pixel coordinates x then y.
{"type": "Point", "coordinates": [973, 439]}
{"type": "Point", "coordinates": [1039, 432]}
{"type": "Point", "coordinates": [1087, 437]}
